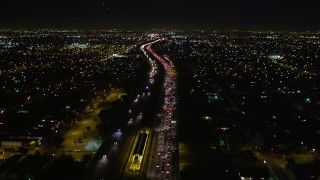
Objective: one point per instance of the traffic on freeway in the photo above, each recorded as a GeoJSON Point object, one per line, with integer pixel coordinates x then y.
{"type": "Point", "coordinates": [163, 163]}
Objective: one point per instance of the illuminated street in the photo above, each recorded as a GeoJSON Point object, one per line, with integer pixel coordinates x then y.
{"type": "Point", "coordinates": [163, 157]}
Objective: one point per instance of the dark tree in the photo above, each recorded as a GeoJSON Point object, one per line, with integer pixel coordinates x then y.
{"type": "Point", "coordinates": [23, 150]}
{"type": "Point", "coordinates": [64, 167]}
{"type": "Point", "coordinates": [57, 139]}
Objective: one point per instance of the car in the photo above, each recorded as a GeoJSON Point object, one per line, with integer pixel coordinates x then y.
{"type": "Point", "coordinates": [162, 170]}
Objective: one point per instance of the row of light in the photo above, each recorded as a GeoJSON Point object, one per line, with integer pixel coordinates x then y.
{"type": "Point", "coordinates": [167, 125]}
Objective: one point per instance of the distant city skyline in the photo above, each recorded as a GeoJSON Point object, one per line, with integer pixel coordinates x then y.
{"type": "Point", "coordinates": [230, 14]}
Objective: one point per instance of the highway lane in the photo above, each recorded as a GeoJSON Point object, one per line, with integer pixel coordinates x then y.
{"type": "Point", "coordinates": [101, 160]}
{"type": "Point", "coordinates": [149, 118]}
{"type": "Point", "coordinates": [164, 158]}
{"type": "Point", "coordinates": [142, 116]}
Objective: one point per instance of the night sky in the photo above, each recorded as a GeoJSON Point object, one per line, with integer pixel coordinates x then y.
{"type": "Point", "coordinates": [224, 14]}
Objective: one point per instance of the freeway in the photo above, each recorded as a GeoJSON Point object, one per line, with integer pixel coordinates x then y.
{"type": "Point", "coordinates": [152, 154]}
{"type": "Point", "coordinates": [116, 165]}
{"type": "Point", "coordinates": [163, 163]}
